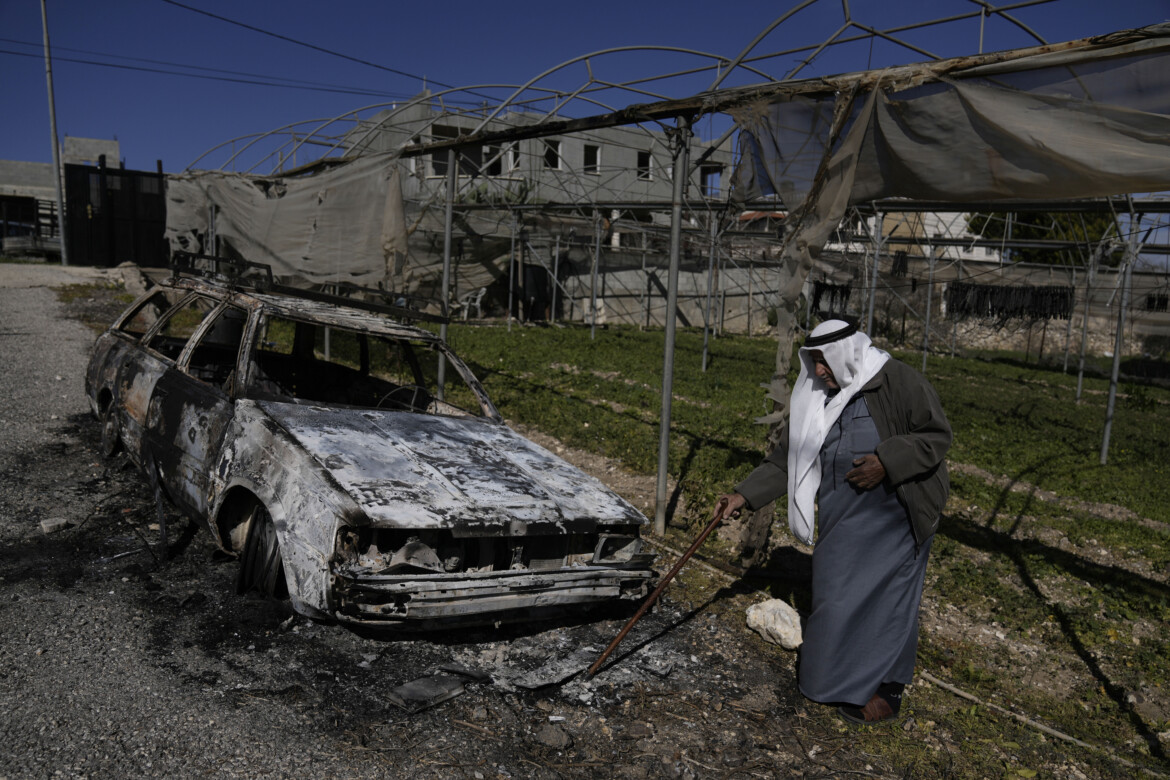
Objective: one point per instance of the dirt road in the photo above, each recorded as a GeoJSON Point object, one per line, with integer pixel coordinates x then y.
{"type": "Point", "coordinates": [118, 660]}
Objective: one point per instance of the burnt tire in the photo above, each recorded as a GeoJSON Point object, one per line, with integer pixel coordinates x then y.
{"type": "Point", "coordinates": [261, 567]}
{"type": "Point", "coordinates": [111, 443]}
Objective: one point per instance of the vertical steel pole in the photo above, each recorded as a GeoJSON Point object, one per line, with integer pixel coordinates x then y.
{"type": "Point", "coordinates": [552, 311]}
{"type": "Point", "coordinates": [681, 163]}
{"type": "Point", "coordinates": [593, 281]}
{"type": "Point", "coordinates": [1085, 322]}
{"type": "Point", "coordinates": [57, 172]}
{"type": "Point", "coordinates": [448, 221]}
{"type": "Point", "coordinates": [1119, 339]}
{"type": "Point", "coordinates": [954, 317]}
{"type": "Point", "coordinates": [929, 303]}
{"type": "Point", "coordinates": [710, 280]}
{"type": "Point", "coordinates": [877, 252]}
{"type": "Point", "coordinates": [646, 287]}
{"type": "Point", "coordinates": [751, 292]}
{"type": "Point", "coordinates": [1068, 327]}
{"type": "Point", "coordinates": [512, 273]}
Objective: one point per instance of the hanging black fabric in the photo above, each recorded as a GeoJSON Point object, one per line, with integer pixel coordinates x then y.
{"type": "Point", "coordinates": [901, 264]}
{"type": "Point", "coordinates": [838, 296]}
{"type": "Point", "coordinates": [1006, 302]}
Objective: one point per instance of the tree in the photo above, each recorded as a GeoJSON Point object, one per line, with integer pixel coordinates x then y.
{"type": "Point", "coordinates": [1047, 226]}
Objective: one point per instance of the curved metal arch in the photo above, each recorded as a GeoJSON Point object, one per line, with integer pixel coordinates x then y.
{"type": "Point", "coordinates": [421, 98]}
{"type": "Point", "coordinates": [738, 61]}
{"type": "Point", "coordinates": [275, 131]}
{"type": "Point", "coordinates": [584, 57]}
{"type": "Point", "coordinates": [324, 122]}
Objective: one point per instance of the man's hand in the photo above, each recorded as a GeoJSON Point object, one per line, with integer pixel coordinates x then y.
{"type": "Point", "coordinates": [869, 472]}
{"type": "Point", "coordinates": [728, 505]}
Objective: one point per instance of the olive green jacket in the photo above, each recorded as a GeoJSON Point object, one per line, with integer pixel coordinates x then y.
{"type": "Point", "coordinates": [915, 436]}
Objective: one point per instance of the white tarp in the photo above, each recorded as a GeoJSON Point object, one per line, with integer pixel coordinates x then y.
{"type": "Point", "coordinates": [1083, 121]}
{"type": "Point", "coordinates": [346, 224]}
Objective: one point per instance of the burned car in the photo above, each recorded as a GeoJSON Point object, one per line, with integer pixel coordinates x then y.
{"type": "Point", "coordinates": [351, 460]}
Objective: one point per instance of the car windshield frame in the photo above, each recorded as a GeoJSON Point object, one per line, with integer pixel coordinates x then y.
{"type": "Point", "coordinates": [355, 383]}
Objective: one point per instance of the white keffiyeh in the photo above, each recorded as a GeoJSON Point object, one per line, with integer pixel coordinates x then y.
{"type": "Point", "coordinates": [854, 361]}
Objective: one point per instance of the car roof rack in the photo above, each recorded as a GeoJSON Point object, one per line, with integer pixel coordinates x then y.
{"type": "Point", "coordinates": [245, 275]}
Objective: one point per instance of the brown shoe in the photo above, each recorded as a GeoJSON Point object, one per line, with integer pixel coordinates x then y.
{"type": "Point", "coordinates": [876, 710]}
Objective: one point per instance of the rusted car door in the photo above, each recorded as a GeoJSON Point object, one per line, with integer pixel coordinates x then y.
{"type": "Point", "coordinates": [191, 407]}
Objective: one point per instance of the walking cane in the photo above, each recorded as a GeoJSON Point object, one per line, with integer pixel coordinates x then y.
{"type": "Point", "coordinates": [657, 591]}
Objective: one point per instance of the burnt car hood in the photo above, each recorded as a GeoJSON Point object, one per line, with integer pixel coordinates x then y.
{"type": "Point", "coordinates": [470, 475]}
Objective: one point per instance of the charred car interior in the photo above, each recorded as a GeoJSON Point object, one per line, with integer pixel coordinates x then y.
{"type": "Point", "coordinates": [350, 459]}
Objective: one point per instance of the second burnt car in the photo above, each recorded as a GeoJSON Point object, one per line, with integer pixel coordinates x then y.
{"type": "Point", "coordinates": [353, 462]}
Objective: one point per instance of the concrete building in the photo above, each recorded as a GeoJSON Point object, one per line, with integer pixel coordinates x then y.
{"type": "Point", "coordinates": [28, 196]}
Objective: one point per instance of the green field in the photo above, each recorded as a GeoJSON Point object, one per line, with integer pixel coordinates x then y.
{"type": "Point", "coordinates": [1011, 420]}
{"type": "Point", "coordinates": [1049, 569]}
{"type": "Point", "coordinates": [1047, 591]}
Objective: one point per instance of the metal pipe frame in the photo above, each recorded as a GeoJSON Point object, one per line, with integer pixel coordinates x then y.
{"type": "Point", "coordinates": [682, 142]}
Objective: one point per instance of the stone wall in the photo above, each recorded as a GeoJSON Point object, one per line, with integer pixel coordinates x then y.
{"type": "Point", "coordinates": [1032, 338]}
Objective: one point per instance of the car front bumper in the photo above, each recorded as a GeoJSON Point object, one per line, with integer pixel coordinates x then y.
{"type": "Point", "coordinates": [372, 599]}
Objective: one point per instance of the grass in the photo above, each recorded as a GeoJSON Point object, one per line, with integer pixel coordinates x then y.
{"type": "Point", "coordinates": [1058, 612]}
{"type": "Point", "coordinates": [604, 395]}
{"type": "Point", "coordinates": [1082, 632]}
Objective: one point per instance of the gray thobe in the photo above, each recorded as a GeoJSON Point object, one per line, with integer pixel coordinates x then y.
{"type": "Point", "coordinates": [867, 576]}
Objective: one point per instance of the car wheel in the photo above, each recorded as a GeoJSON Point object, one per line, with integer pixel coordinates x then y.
{"type": "Point", "coordinates": [111, 431]}
{"type": "Point", "coordinates": [261, 567]}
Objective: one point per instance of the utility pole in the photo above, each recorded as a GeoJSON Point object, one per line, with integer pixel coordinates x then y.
{"type": "Point", "coordinates": [53, 129]}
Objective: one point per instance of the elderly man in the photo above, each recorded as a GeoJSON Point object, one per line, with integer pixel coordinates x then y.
{"type": "Point", "coordinates": [865, 441]}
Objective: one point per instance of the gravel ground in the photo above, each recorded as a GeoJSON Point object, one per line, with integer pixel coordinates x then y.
{"type": "Point", "coordinates": [117, 660]}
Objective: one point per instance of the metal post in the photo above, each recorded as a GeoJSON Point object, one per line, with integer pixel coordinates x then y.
{"type": "Point", "coordinates": [710, 280]}
{"type": "Point", "coordinates": [593, 281]}
{"type": "Point", "coordinates": [877, 252]}
{"type": "Point", "coordinates": [448, 220]}
{"type": "Point", "coordinates": [751, 291]}
{"type": "Point", "coordinates": [1119, 340]}
{"type": "Point", "coordinates": [512, 273]}
{"type": "Point", "coordinates": [955, 319]}
{"type": "Point", "coordinates": [1085, 322]}
{"type": "Point", "coordinates": [1068, 327]}
{"type": "Point", "coordinates": [646, 288]}
{"type": "Point", "coordinates": [552, 311]}
{"type": "Point", "coordinates": [681, 141]}
{"type": "Point", "coordinates": [57, 172]}
{"type": "Point", "coordinates": [929, 303]}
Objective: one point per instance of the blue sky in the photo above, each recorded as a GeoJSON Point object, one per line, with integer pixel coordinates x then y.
{"type": "Point", "coordinates": [157, 113]}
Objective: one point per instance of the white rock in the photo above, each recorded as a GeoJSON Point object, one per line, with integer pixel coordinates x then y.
{"type": "Point", "coordinates": [777, 622]}
{"type": "Point", "coordinates": [53, 524]}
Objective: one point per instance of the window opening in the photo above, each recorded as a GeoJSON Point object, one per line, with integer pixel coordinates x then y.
{"type": "Point", "coordinates": [470, 157]}
{"type": "Point", "coordinates": [552, 154]}
{"type": "Point", "coordinates": [362, 369]}
{"type": "Point", "coordinates": [645, 161]}
{"type": "Point", "coordinates": [710, 179]}
{"type": "Point", "coordinates": [591, 163]}
{"type": "Point", "coordinates": [150, 311]}
{"type": "Point", "coordinates": [213, 359]}
{"type": "Point", "coordinates": [179, 325]}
